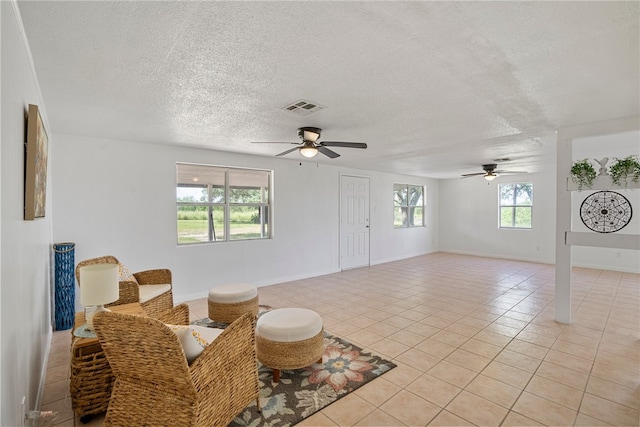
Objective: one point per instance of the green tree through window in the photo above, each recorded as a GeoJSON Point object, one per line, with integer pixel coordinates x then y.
{"type": "Point", "coordinates": [516, 204]}
{"type": "Point", "coordinates": [408, 205]}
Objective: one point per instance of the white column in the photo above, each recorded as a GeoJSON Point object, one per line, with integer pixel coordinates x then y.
{"type": "Point", "coordinates": [563, 224]}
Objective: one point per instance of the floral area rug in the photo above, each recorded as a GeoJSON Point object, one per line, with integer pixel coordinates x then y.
{"type": "Point", "coordinates": [302, 392]}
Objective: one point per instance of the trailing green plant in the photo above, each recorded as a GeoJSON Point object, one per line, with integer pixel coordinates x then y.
{"type": "Point", "coordinates": [583, 173]}
{"type": "Point", "coordinates": [625, 170]}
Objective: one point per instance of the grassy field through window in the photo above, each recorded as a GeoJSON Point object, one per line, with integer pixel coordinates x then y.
{"type": "Point", "coordinates": [244, 223]}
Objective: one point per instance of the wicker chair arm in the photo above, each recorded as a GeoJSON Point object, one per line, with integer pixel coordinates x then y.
{"type": "Point", "coordinates": [159, 276]}
{"type": "Point", "coordinates": [230, 357]}
{"type": "Point", "coordinates": [129, 292]}
{"type": "Point", "coordinates": [178, 315]}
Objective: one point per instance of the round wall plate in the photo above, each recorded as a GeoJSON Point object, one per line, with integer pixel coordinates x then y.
{"type": "Point", "coordinates": [605, 211]}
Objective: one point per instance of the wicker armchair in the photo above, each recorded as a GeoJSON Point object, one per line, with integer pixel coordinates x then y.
{"type": "Point", "coordinates": [156, 387]}
{"type": "Point", "coordinates": [91, 378]}
{"type": "Point", "coordinates": [156, 298]}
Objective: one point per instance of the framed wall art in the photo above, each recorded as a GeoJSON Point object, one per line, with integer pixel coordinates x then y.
{"type": "Point", "coordinates": [606, 212]}
{"type": "Point", "coordinates": [35, 174]}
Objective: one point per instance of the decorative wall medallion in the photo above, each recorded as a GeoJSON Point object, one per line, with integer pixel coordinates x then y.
{"type": "Point", "coordinates": [605, 211]}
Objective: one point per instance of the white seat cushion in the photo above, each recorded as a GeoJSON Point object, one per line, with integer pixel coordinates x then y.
{"type": "Point", "coordinates": [149, 292]}
{"type": "Point", "coordinates": [194, 338]}
{"type": "Point", "coordinates": [289, 324]}
{"type": "Point", "coordinates": [232, 292]}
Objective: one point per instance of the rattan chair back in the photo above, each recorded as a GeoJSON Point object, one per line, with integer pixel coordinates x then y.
{"type": "Point", "coordinates": [130, 289]}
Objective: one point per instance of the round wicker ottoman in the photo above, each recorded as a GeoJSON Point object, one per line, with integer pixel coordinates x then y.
{"type": "Point", "coordinates": [228, 302]}
{"type": "Point", "coordinates": [289, 338]}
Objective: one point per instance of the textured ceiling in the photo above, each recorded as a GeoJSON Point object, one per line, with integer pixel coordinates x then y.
{"type": "Point", "coordinates": [435, 89]}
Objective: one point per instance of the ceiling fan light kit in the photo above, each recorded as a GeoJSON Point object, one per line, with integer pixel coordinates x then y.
{"type": "Point", "coordinates": [308, 151]}
{"type": "Point", "coordinates": [310, 145]}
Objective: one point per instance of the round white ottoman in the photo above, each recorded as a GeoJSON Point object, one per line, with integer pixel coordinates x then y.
{"type": "Point", "coordinates": [289, 338]}
{"type": "Point", "coordinates": [229, 302]}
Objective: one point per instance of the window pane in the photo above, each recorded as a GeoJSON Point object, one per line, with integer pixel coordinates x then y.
{"type": "Point", "coordinates": [246, 186]}
{"type": "Point", "coordinates": [506, 194]}
{"type": "Point", "coordinates": [515, 217]}
{"type": "Point", "coordinates": [523, 217]}
{"type": "Point", "coordinates": [218, 223]}
{"type": "Point", "coordinates": [399, 216]}
{"type": "Point", "coordinates": [191, 193]}
{"type": "Point", "coordinates": [245, 222]}
{"type": "Point", "coordinates": [506, 217]}
{"type": "Point", "coordinates": [524, 194]}
{"type": "Point", "coordinates": [201, 174]}
{"type": "Point", "coordinates": [415, 196]}
{"type": "Point", "coordinates": [416, 217]}
{"type": "Point", "coordinates": [217, 195]}
{"type": "Point", "coordinates": [245, 195]}
{"type": "Point", "coordinates": [400, 195]}
{"type": "Point", "coordinates": [516, 194]}
{"type": "Point", "coordinates": [193, 225]}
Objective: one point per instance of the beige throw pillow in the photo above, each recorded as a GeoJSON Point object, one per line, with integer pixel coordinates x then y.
{"type": "Point", "coordinates": [194, 339]}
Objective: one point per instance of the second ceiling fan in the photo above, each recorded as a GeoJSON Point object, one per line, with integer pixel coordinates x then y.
{"type": "Point", "coordinates": [490, 172]}
{"type": "Point", "coordinates": [310, 146]}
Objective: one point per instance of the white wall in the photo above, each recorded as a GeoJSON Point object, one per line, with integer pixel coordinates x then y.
{"type": "Point", "coordinates": [469, 219]}
{"type": "Point", "coordinates": [25, 317]}
{"type": "Point", "coordinates": [118, 197]}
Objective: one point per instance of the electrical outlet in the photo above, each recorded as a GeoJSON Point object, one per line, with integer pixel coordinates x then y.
{"type": "Point", "coordinates": [23, 410]}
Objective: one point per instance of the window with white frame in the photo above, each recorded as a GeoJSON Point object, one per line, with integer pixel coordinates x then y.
{"type": "Point", "coordinates": [408, 205]}
{"type": "Point", "coordinates": [218, 204]}
{"type": "Point", "coordinates": [516, 204]}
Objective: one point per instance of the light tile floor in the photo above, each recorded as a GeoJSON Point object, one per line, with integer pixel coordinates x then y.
{"type": "Point", "coordinates": [474, 339]}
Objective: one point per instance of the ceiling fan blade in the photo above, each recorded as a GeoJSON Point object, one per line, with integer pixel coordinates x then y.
{"type": "Point", "coordinates": [287, 152]}
{"type": "Point", "coordinates": [343, 144]}
{"type": "Point", "coordinates": [273, 142]}
{"type": "Point", "coordinates": [327, 152]}
{"type": "Point", "coordinates": [513, 172]}
{"type": "Point", "coordinates": [469, 175]}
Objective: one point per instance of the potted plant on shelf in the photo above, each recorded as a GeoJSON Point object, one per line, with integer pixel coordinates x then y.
{"type": "Point", "coordinates": [583, 173]}
{"type": "Point", "coordinates": [625, 170]}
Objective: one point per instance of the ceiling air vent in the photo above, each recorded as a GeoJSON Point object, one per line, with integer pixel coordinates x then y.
{"type": "Point", "coordinates": [303, 107]}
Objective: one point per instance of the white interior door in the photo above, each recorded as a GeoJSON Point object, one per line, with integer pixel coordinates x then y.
{"type": "Point", "coordinates": [354, 222]}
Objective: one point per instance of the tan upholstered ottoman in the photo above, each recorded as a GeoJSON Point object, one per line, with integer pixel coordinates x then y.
{"type": "Point", "coordinates": [289, 338]}
{"type": "Point", "coordinates": [228, 302]}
